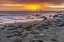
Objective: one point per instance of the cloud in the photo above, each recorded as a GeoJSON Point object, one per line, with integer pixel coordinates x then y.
{"type": "Point", "coordinates": [31, 1]}
{"type": "Point", "coordinates": [17, 4]}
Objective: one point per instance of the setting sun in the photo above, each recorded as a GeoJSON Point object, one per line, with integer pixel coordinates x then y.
{"type": "Point", "coordinates": [33, 7]}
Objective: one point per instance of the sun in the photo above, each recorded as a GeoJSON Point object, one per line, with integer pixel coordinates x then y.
{"type": "Point", "coordinates": [33, 7]}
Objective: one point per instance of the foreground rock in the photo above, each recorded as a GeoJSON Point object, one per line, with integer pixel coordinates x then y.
{"type": "Point", "coordinates": [51, 30]}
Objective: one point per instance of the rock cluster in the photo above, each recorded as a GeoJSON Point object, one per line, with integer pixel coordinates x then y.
{"type": "Point", "coordinates": [51, 30]}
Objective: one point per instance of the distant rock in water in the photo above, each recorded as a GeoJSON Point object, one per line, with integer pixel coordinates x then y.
{"type": "Point", "coordinates": [44, 17]}
{"type": "Point", "coordinates": [55, 16]}
{"type": "Point", "coordinates": [62, 16]}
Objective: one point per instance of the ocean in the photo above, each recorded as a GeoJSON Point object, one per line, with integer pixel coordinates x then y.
{"type": "Point", "coordinates": [22, 16]}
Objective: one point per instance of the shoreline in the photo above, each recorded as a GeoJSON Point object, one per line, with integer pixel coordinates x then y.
{"type": "Point", "coordinates": [21, 21]}
{"type": "Point", "coordinates": [46, 30]}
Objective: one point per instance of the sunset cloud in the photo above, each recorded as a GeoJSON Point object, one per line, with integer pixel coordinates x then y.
{"type": "Point", "coordinates": [32, 1]}
{"type": "Point", "coordinates": [21, 4]}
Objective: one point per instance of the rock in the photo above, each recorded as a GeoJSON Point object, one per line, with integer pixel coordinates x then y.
{"type": "Point", "coordinates": [24, 35]}
{"type": "Point", "coordinates": [12, 28]}
{"type": "Point", "coordinates": [17, 34]}
{"type": "Point", "coordinates": [34, 32]}
{"type": "Point", "coordinates": [10, 35]}
{"type": "Point", "coordinates": [45, 28]}
{"type": "Point", "coordinates": [41, 34]}
{"type": "Point", "coordinates": [40, 41]}
{"type": "Point", "coordinates": [58, 27]}
{"type": "Point", "coordinates": [40, 29]}
{"type": "Point", "coordinates": [1, 26]}
{"type": "Point", "coordinates": [53, 39]}
{"type": "Point", "coordinates": [43, 31]}
{"type": "Point", "coordinates": [36, 40]}
{"type": "Point", "coordinates": [18, 40]}
{"type": "Point", "coordinates": [32, 41]}
{"type": "Point", "coordinates": [0, 29]}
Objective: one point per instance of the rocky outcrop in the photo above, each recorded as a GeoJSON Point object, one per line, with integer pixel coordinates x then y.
{"type": "Point", "coordinates": [51, 30]}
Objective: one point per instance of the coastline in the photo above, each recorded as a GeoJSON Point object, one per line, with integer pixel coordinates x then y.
{"type": "Point", "coordinates": [47, 31]}
{"type": "Point", "coordinates": [21, 21]}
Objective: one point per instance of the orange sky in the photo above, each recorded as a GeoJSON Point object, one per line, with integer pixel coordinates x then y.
{"type": "Point", "coordinates": [31, 5]}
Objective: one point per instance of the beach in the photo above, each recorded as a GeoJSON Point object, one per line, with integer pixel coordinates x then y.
{"type": "Point", "coordinates": [32, 28]}
{"type": "Point", "coordinates": [38, 31]}
{"type": "Point", "coordinates": [20, 21]}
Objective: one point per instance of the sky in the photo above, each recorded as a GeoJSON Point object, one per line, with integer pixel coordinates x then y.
{"type": "Point", "coordinates": [31, 5]}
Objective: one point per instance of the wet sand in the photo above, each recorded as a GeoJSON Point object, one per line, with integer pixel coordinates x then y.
{"type": "Point", "coordinates": [20, 21]}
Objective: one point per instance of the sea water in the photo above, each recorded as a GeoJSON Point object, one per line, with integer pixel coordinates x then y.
{"type": "Point", "coordinates": [20, 16]}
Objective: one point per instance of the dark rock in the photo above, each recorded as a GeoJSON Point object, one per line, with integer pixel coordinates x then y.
{"type": "Point", "coordinates": [44, 17]}
{"type": "Point", "coordinates": [32, 41]}
{"type": "Point", "coordinates": [17, 34]}
{"type": "Point", "coordinates": [18, 40]}
{"type": "Point", "coordinates": [55, 16]}
{"type": "Point", "coordinates": [39, 29]}
{"type": "Point", "coordinates": [24, 35]}
{"type": "Point", "coordinates": [53, 39]}
{"type": "Point", "coordinates": [9, 36]}
{"type": "Point", "coordinates": [61, 25]}
{"type": "Point", "coordinates": [40, 41]}
{"type": "Point", "coordinates": [12, 28]}
{"type": "Point", "coordinates": [37, 41]}
{"type": "Point", "coordinates": [3, 28]}
{"type": "Point", "coordinates": [46, 28]}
